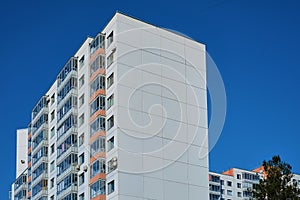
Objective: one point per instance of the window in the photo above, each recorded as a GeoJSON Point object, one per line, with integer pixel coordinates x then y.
{"type": "Point", "coordinates": [110, 101]}
{"type": "Point", "coordinates": [52, 166]}
{"type": "Point", "coordinates": [81, 139]}
{"type": "Point", "coordinates": [81, 159]}
{"type": "Point", "coordinates": [97, 125]}
{"type": "Point", "coordinates": [52, 133]}
{"type": "Point", "coordinates": [110, 38]}
{"type": "Point", "coordinates": [110, 80]}
{"type": "Point", "coordinates": [239, 194]}
{"type": "Point", "coordinates": [239, 185]}
{"type": "Point", "coordinates": [81, 179]}
{"type": "Point", "coordinates": [97, 104]}
{"type": "Point", "coordinates": [112, 165]}
{"type": "Point", "coordinates": [81, 61]}
{"type": "Point", "coordinates": [238, 176]}
{"type": "Point", "coordinates": [97, 167]}
{"type": "Point", "coordinates": [111, 187]}
{"type": "Point", "coordinates": [52, 115]}
{"type": "Point", "coordinates": [81, 100]}
{"type": "Point", "coordinates": [81, 196]}
{"type": "Point", "coordinates": [229, 183]}
{"type": "Point", "coordinates": [222, 191]}
{"type": "Point", "coordinates": [97, 84]}
{"type": "Point", "coordinates": [98, 145]}
{"type": "Point", "coordinates": [98, 188]}
{"type": "Point", "coordinates": [52, 183]}
{"type": "Point", "coordinates": [110, 122]}
{"type": "Point", "coordinates": [52, 100]}
{"type": "Point", "coordinates": [110, 59]}
{"type": "Point", "coordinates": [52, 148]}
{"type": "Point", "coordinates": [81, 81]}
{"type": "Point", "coordinates": [98, 63]}
{"type": "Point", "coordinates": [229, 192]}
{"type": "Point", "coordinates": [81, 119]}
{"type": "Point", "coordinates": [110, 144]}
{"type": "Point", "coordinates": [222, 182]}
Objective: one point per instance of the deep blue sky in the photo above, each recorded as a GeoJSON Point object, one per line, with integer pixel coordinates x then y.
{"type": "Point", "coordinates": [254, 43]}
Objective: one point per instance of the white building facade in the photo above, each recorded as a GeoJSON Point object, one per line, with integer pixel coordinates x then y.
{"type": "Point", "coordinates": [125, 119]}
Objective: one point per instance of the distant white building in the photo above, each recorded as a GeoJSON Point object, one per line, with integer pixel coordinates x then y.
{"type": "Point", "coordinates": [234, 184]}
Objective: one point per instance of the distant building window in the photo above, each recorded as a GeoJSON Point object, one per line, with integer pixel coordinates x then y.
{"type": "Point", "coordinates": [239, 185]}
{"type": "Point", "coordinates": [238, 176]}
{"type": "Point", "coordinates": [222, 182]}
{"type": "Point", "coordinates": [239, 194]}
{"type": "Point", "coordinates": [229, 192]}
{"type": "Point", "coordinates": [110, 80]}
{"type": "Point", "coordinates": [229, 183]}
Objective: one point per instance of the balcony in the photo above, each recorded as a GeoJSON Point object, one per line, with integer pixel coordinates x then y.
{"type": "Point", "coordinates": [64, 136]}
{"type": "Point", "coordinates": [44, 125]}
{"type": "Point", "coordinates": [73, 188]}
{"type": "Point", "coordinates": [63, 175]}
{"type": "Point", "coordinates": [73, 111]}
{"type": "Point", "coordinates": [20, 188]}
{"type": "Point", "coordinates": [36, 180]}
{"type": "Point", "coordinates": [41, 193]}
{"type": "Point", "coordinates": [42, 143]}
{"type": "Point", "coordinates": [39, 161]}
{"type": "Point", "coordinates": [72, 149]}
{"type": "Point", "coordinates": [42, 105]}
{"type": "Point", "coordinates": [69, 68]}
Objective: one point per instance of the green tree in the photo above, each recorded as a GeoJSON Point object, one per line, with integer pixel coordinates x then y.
{"type": "Point", "coordinates": [277, 184]}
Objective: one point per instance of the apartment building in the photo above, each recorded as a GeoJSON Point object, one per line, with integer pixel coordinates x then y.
{"type": "Point", "coordinates": [235, 184]}
{"type": "Point", "coordinates": [125, 119]}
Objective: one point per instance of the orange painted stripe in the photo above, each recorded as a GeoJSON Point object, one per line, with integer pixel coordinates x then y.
{"type": "Point", "coordinates": [100, 197]}
{"type": "Point", "coordinates": [29, 150]}
{"type": "Point", "coordinates": [96, 114]}
{"type": "Point", "coordinates": [96, 135]}
{"type": "Point", "coordinates": [96, 53]}
{"type": "Point", "coordinates": [30, 135]}
{"type": "Point", "coordinates": [96, 73]}
{"type": "Point", "coordinates": [29, 164]}
{"type": "Point", "coordinates": [100, 91]}
{"type": "Point", "coordinates": [96, 156]}
{"type": "Point", "coordinates": [29, 178]}
{"type": "Point", "coordinates": [97, 177]}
